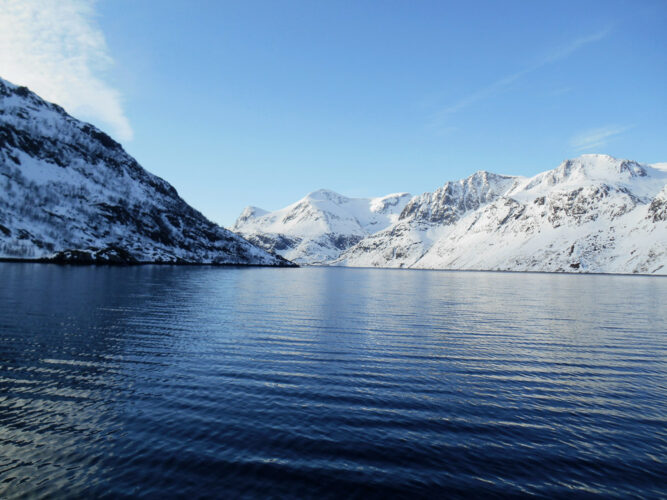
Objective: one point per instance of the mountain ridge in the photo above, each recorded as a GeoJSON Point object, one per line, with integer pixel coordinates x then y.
{"type": "Point", "coordinates": [589, 214]}
{"type": "Point", "coordinates": [593, 213]}
{"type": "Point", "coordinates": [320, 225]}
{"type": "Point", "coordinates": [70, 193]}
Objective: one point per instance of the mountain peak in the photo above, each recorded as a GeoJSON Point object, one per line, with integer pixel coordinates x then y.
{"type": "Point", "coordinates": [69, 192]}
{"type": "Point", "coordinates": [321, 225]}
{"type": "Point", "coordinates": [483, 174]}
{"type": "Point", "coordinates": [249, 212]}
{"type": "Point", "coordinates": [325, 195]}
{"type": "Point", "coordinates": [601, 162]}
{"type": "Point", "coordinates": [589, 168]}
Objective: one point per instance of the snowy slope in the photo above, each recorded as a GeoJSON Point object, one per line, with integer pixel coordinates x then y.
{"type": "Point", "coordinates": [69, 192]}
{"type": "Point", "coordinates": [426, 219]}
{"type": "Point", "coordinates": [319, 227]}
{"type": "Point", "coordinates": [594, 213]}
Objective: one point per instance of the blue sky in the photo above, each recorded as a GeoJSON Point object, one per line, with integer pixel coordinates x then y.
{"type": "Point", "coordinates": [239, 103]}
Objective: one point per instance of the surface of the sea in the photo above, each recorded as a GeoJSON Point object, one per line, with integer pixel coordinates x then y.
{"type": "Point", "coordinates": [192, 382]}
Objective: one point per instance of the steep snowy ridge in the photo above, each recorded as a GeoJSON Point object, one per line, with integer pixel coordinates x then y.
{"type": "Point", "coordinates": [317, 228]}
{"type": "Point", "coordinates": [69, 192]}
{"type": "Point", "coordinates": [425, 219]}
{"type": "Point", "coordinates": [591, 170]}
{"type": "Point", "coordinates": [594, 213]}
{"type": "Point", "coordinates": [446, 204]}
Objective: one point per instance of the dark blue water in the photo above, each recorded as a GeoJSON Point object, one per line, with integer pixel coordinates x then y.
{"type": "Point", "coordinates": [211, 382]}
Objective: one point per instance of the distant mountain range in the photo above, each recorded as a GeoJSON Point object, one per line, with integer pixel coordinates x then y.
{"type": "Point", "coordinates": [70, 193]}
{"type": "Point", "coordinates": [317, 228]}
{"type": "Point", "coordinates": [594, 213]}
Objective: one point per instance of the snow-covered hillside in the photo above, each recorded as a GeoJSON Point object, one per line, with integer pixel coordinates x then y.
{"type": "Point", "coordinates": [594, 213]}
{"type": "Point", "coordinates": [425, 219]}
{"type": "Point", "coordinates": [317, 228]}
{"type": "Point", "coordinates": [69, 192]}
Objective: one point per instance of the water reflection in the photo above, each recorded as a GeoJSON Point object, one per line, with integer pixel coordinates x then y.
{"type": "Point", "coordinates": [320, 382]}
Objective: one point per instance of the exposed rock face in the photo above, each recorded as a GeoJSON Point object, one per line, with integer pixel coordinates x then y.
{"type": "Point", "coordinates": [69, 192]}
{"type": "Point", "coordinates": [657, 210]}
{"type": "Point", "coordinates": [424, 219]}
{"type": "Point", "coordinates": [591, 214]}
{"type": "Point", "coordinates": [317, 228]}
{"type": "Point", "coordinates": [445, 205]}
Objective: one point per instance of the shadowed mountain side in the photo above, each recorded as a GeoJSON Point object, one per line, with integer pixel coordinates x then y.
{"type": "Point", "coordinates": [70, 193]}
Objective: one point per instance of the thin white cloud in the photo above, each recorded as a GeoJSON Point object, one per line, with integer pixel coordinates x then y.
{"type": "Point", "coordinates": [56, 48]}
{"type": "Point", "coordinates": [505, 82]}
{"type": "Point", "coordinates": [593, 139]}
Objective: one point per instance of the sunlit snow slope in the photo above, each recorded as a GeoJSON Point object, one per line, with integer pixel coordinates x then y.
{"type": "Point", "coordinates": [317, 228]}
{"type": "Point", "coordinates": [69, 192]}
{"type": "Point", "coordinates": [594, 213]}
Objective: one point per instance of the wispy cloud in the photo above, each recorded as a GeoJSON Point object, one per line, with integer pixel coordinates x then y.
{"type": "Point", "coordinates": [56, 48]}
{"type": "Point", "coordinates": [594, 139]}
{"type": "Point", "coordinates": [506, 81]}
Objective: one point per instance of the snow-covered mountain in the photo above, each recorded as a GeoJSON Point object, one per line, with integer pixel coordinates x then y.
{"type": "Point", "coordinates": [69, 192]}
{"type": "Point", "coordinates": [317, 228]}
{"type": "Point", "coordinates": [424, 220]}
{"type": "Point", "coordinates": [594, 213]}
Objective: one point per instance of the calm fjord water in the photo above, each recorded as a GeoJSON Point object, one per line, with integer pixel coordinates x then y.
{"type": "Point", "coordinates": [192, 381]}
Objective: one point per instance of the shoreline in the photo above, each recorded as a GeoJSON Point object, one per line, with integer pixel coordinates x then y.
{"type": "Point", "coordinates": [97, 263]}
{"type": "Point", "coordinates": [291, 265]}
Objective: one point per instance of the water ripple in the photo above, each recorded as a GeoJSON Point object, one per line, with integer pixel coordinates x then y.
{"type": "Point", "coordinates": [322, 383]}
